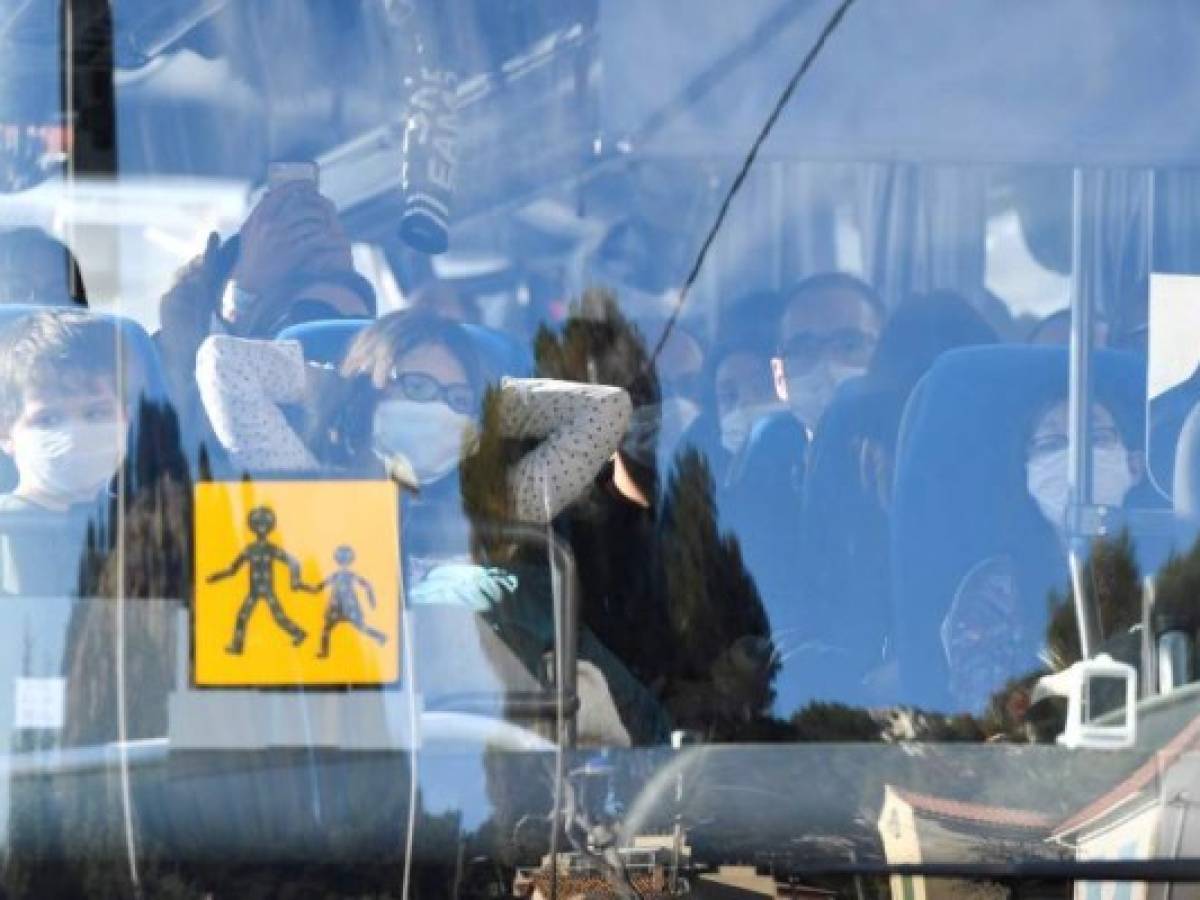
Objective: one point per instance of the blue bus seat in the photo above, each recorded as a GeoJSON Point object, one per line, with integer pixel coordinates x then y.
{"type": "Point", "coordinates": [327, 342]}
{"type": "Point", "coordinates": [960, 475]}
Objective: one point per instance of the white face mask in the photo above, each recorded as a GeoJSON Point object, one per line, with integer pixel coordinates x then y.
{"type": "Point", "coordinates": [431, 436]}
{"type": "Point", "coordinates": [69, 464]}
{"type": "Point", "coordinates": [737, 423]}
{"type": "Point", "coordinates": [810, 394]}
{"type": "Point", "coordinates": [1046, 480]}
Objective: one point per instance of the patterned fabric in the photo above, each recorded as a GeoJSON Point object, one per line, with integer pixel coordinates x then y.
{"type": "Point", "coordinates": [245, 383]}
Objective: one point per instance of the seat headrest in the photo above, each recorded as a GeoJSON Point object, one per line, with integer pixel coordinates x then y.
{"type": "Point", "coordinates": [324, 342]}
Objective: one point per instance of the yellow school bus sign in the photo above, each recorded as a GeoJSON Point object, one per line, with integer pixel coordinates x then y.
{"type": "Point", "coordinates": [297, 584]}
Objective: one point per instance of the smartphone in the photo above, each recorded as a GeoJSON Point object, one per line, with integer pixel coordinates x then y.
{"type": "Point", "coordinates": [279, 173]}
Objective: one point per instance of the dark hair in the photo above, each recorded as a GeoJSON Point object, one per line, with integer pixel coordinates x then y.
{"type": "Point", "coordinates": [53, 348]}
{"type": "Point", "coordinates": [19, 243]}
{"type": "Point", "coordinates": [756, 313]}
{"type": "Point", "coordinates": [346, 278]}
{"type": "Point", "coordinates": [599, 345]}
{"type": "Point", "coordinates": [920, 330]}
{"type": "Point", "coordinates": [825, 282]}
{"type": "Point", "coordinates": [226, 257]}
{"type": "Point", "coordinates": [341, 426]}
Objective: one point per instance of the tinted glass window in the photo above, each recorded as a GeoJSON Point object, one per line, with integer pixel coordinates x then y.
{"type": "Point", "coordinates": [489, 449]}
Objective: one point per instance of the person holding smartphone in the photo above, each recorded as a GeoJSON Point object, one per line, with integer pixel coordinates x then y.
{"type": "Point", "coordinates": [290, 263]}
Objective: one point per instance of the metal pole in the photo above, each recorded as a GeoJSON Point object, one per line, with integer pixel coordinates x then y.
{"type": "Point", "coordinates": [1079, 475]}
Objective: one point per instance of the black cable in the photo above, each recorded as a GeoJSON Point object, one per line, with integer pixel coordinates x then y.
{"type": "Point", "coordinates": [747, 164]}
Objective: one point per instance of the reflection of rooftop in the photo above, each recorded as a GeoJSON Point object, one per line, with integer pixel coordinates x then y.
{"type": "Point", "coordinates": [974, 812]}
{"type": "Point", "coordinates": [1146, 775]}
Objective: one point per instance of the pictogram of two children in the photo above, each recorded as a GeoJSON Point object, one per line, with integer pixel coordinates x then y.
{"type": "Point", "coordinates": [261, 556]}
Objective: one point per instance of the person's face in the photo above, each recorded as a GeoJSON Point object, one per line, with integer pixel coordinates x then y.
{"type": "Point", "coordinates": [743, 381]}
{"type": "Point", "coordinates": [47, 409]}
{"type": "Point", "coordinates": [825, 338]}
{"type": "Point", "coordinates": [425, 415]}
{"type": "Point", "coordinates": [67, 441]}
{"type": "Point", "coordinates": [1115, 469]}
{"type": "Point", "coordinates": [433, 362]}
{"type": "Point", "coordinates": [1052, 431]}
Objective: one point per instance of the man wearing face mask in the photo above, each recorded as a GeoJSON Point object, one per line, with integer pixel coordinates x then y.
{"type": "Point", "coordinates": [830, 326]}
{"type": "Point", "coordinates": [64, 428]}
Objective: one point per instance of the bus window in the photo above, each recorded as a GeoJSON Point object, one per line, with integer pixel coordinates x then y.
{"type": "Point", "coordinates": [557, 448]}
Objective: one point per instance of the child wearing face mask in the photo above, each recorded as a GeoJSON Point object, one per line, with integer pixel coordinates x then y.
{"type": "Point", "coordinates": [64, 427]}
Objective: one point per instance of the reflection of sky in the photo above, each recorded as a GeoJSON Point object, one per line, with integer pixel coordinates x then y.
{"type": "Point", "coordinates": [1014, 275]}
{"type": "Point", "coordinates": [1174, 330]}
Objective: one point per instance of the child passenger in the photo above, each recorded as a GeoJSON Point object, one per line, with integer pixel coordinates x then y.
{"type": "Point", "coordinates": [64, 429]}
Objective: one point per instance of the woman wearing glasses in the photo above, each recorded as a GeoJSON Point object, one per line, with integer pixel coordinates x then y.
{"type": "Point", "coordinates": [407, 398]}
{"type": "Point", "coordinates": [410, 399]}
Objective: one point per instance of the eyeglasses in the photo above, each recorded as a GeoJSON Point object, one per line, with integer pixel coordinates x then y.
{"type": "Point", "coordinates": [848, 346]}
{"type": "Point", "coordinates": [423, 388]}
{"type": "Point", "coordinates": [1045, 444]}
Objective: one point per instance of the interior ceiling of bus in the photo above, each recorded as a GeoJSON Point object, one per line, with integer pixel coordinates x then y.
{"type": "Point", "coordinates": [577, 112]}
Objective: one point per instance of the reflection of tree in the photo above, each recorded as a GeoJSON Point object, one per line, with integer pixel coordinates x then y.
{"type": "Point", "coordinates": [1112, 584]}
{"type": "Point", "coordinates": [145, 555]}
{"type": "Point", "coordinates": [719, 630]}
{"type": "Point", "coordinates": [663, 587]}
{"type": "Point", "coordinates": [138, 549]}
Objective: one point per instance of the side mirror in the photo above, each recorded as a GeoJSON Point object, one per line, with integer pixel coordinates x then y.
{"type": "Point", "coordinates": [1101, 703]}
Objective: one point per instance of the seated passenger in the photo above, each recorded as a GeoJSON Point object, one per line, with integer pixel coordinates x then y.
{"type": "Point", "coordinates": [744, 393]}
{"type": "Point", "coordinates": [409, 399]}
{"type": "Point", "coordinates": [291, 263]}
{"type": "Point", "coordinates": [409, 393]}
{"type": "Point", "coordinates": [847, 504]}
{"type": "Point", "coordinates": [39, 270]}
{"type": "Point", "coordinates": [997, 626]}
{"type": "Point", "coordinates": [830, 325]}
{"type": "Point", "coordinates": [64, 427]}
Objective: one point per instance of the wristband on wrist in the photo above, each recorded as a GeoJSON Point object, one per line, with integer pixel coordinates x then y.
{"type": "Point", "coordinates": [236, 302]}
